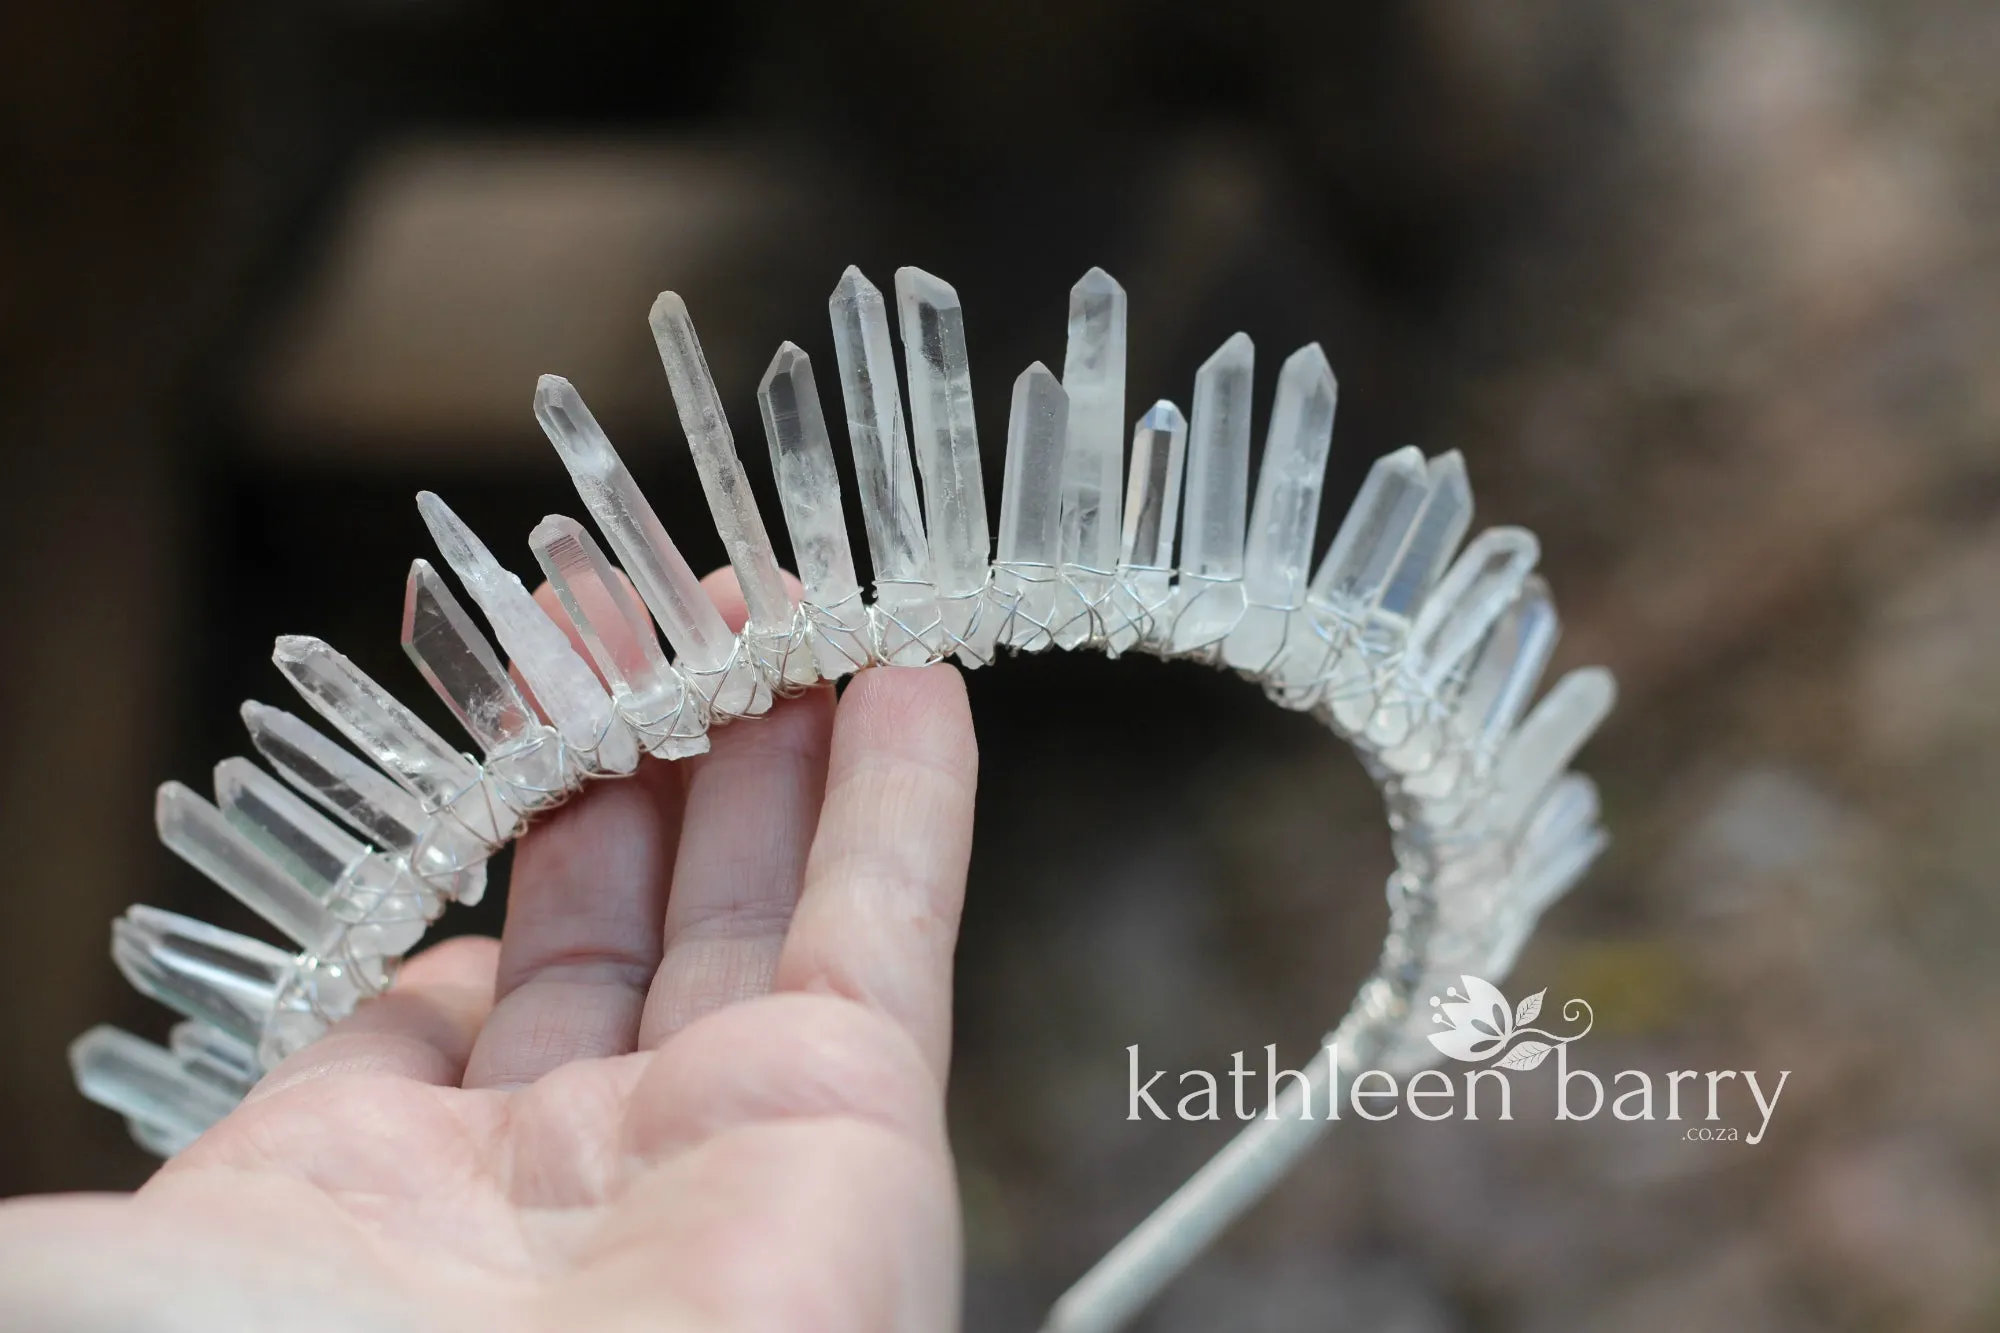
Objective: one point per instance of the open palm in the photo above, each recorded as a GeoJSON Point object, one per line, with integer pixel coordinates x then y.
{"type": "Point", "coordinates": [698, 1085]}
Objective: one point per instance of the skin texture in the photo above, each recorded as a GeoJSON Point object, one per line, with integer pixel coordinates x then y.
{"type": "Point", "coordinates": [696, 1086]}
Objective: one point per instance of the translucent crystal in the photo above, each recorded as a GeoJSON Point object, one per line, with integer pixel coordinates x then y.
{"type": "Point", "coordinates": [1024, 585]}
{"type": "Point", "coordinates": [1218, 484]}
{"type": "Point", "coordinates": [1545, 743]}
{"type": "Point", "coordinates": [704, 644]}
{"type": "Point", "coordinates": [1358, 565]}
{"type": "Point", "coordinates": [159, 1140]}
{"type": "Point", "coordinates": [209, 1052]}
{"type": "Point", "coordinates": [443, 854]}
{"type": "Point", "coordinates": [809, 492]}
{"type": "Point", "coordinates": [394, 737]}
{"type": "Point", "coordinates": [905, 600]}
{"type": "Point", "coordinates": [1093, 463]}
{"type": "Point", "coordinates": [204, 972]}
{"type": "Point", "coordinates": [197, 832]}
{"type": "Point", "coordinates": [648, 693]}
{"type": "Point", "coordinates": [145, 1082]}
{"type": "Point", "coordinates": [728, 489]}
{"type": "Point", "coordinates": [1440, 527]}
{"type": "Point", "coordinates": [947, 448]}
{"type": "Point", "coordinates": [1509, 666]}
{"type": "Point", "coordinates": [1151, 518]}
{"type": "Point", "coordinates": [561, 681]}
{"type": "Point", "coordinates": [1277, 556]}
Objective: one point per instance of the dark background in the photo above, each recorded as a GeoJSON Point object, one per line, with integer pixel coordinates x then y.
{"type": "Point", "coordinates": [1708, 293]}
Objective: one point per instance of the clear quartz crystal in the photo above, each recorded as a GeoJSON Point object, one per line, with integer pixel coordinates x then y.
{"type": "Point", "coordinates": [210, 1053]}
{"type": "Point", "coordinates": [727, 486]}
{"type": "Point", "coordinates": [376, 894]}
{"type": "Point", "coordinates": [809, 492]}
{"type": "Point", "coordinates": [1277, 555]}
{"type": "Point", "coordinates": [1151, 517]}
{"type": "Point", "coordinates": [1499, 683]}
{"type": "Point", "coordinates": [446, 781]}
{"type": "Point", "coordinates": [204, 972]}
{"type": "Point", "coordinates": [1093, 463]}
{"type": "Point", "coordinates": [561, 681]}
{"type": "Point", "coordinates": [947, 449]}
{"type": "Point", "coordinates": [906, 611]}
{"type": "Point", "coordinates": [198, 833]}
{"type": "Point", "coordinates": [647, 691]}
{"type": "Point", "coordinates": [1031, 500]}
{"type": "Point", "coordinates": [1541, 748]}
{"type": "Point", "coordinates": [704, 645]}
{"type": "Point", "coordinates": [1210, 593]}
{"type": "Point", "coordinates": [145, 1082]}
{"type": "Point", "coordinates": [454, 656]}
{"type": "Point", "coordinates": [440, 852]}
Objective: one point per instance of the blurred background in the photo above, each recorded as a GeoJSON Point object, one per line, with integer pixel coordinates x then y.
{"type": "Point", "coordinates": [1708, 293]}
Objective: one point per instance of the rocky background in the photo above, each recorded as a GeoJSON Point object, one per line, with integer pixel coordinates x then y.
{"type": "Point", "coordinates": [1709, 294]}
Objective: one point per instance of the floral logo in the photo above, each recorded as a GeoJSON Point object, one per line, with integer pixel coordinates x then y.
{"type": "Point", "coordinates": [1480, 1025]}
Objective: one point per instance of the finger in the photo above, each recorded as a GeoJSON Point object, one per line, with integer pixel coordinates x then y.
{"type": "Point", "coordinates": [752, 804]}
{"type": "Point", "coordinates": [422, 1029]}
{"type": "Point", "coordinates": [885, 884]}
{"type": "Point", "coordinates": [582, 938]}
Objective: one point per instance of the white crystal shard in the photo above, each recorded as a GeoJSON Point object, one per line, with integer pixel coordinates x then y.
{"type": "Point", "coordinates": [204, 972]}
{"type": "Point", "coordinates": [1151, 518]}
{"type": "Point", "coordinates": [1509, 666]}
{"type": "Point", "coordinates": [561, 681]}
{"type": "Point", "coordinates": [648, 692]}
{"type": "Point", "coordinates": [443, 779]}
{"type": "Point", "coordinates": [196, 831]}
{"type": "Point", "coordinates": [1356, 569]}
{"type": "Point", "coordinates": [905, 612]}
{"type": "Point", "coordinates": [1031, 509]}
{"type": "Point", "coordinates": [210, 1053]}
{"type": "Point", "coordinates": [440, 852]}
{"type": "Point", "coordinates": [1093, 462]}
{"type": "Point", "coordinates": [947, 448]}
{"type": "Point", "coordinates": [809, 492]}
{"type": "Point", "coordinates": [145, 1082]}
{"type": "Point", "coordinates": [772, 627]}
{"type": "Point", "coordinates": [1536, 754]}
{"type": "Point", "coordinates": [1440, 527]}
{"type": "Point", "coordinates": [706, 649]}
{"type": "Point", "coordinates": [1277, 555]}
{"type": "Point", "coordinates": [1210, 595]}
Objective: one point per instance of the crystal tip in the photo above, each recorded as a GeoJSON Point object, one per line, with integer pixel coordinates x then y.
{"type": "Point", "coordinates": [1097, 283]}
{"type": "Point", "coordinates": [1163, 415]}
{"type": "Point", "coordinates": [668, 309]}
{"type": "Point", "coordinates": [913, 284]}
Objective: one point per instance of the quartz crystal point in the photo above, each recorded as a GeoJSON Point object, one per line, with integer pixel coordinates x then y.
{"type": "Point", "coordinates": [1151, 517]}
{"type": "Point", "coordinates": [203, 972]}
{"type": "Point", "coordinates": [441, 853]}
{"type": "Point", "coordinates": [146, 1083]}
{"type": "Point", "coordinates": [906, 611]}
{"type": "Point", "coordinates": [561, 681]}
{"type": "Point", "coordinates": [198, 833]}
{"type": "Point", "coordinates": [1434, 538]}
{"type": "Point", "coordinates": [646, 690]}
{"type": "Point", "coordinates": [1499, 683]}
{"type": "Point", "coordinates": [772, 627]}
{"type": "Point", "coordinates": [1538, 751]}
{"type": "Point", "coordinates": [1024, 572]}
{"type": "Point", "coordinates": [1278, 554]}
{"type": "Point", "coordinates": [1093, 463]}
{"type": "Point", "coordinates": [1210, 597]}
{"type": "Point", "coordinates": [809, 492]}
{"type": "Point", "coordinates": [705, 647]}
{"type": "Point", "coordinates": [947, 448]}
{"type": "Point", "coordinates": [386, 907]}
{"type": "Point", "coordinates": [462, 667]}
{"type": "Point", "coordinates": [210, 1053]}
{"type": "Point", "coordinates": [446, 781]}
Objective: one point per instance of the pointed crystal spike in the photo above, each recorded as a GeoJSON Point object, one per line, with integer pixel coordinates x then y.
{"type": "Point", "coordinates": [1358, 565]}
{"type": "Point", "coordinates": [1537, 753]}
{"type": "Point", "coordinates": [1093, 462]}
{"type": "Point", "coordinates": [1151, 518]}
{"type": "Point", "coordinates": [1210, 596]}
{"type": "Point", "coordinates": [196, 831]}
{"type": "Point", "coordinates": [649, 694]}
{"type": "Point", "coordinates": [443, 779]}
{"type": "Point", "coordinates": [438, 851]}
{"type": "Point", "coordinates": [1509, 666]}
{"type": "Point", "coordinates": [906, 611]}
{"type": "Point", "coordinates": [210, 1053]}
{"type": "Point", "coordinates": [1277, 555]}
{"type": "Point", "coordinates": [809, 492]}
{"type": "Point", "coordinates": [1031, 498]}
{"type": "Point", "coordinates": [561, 681]}
{"type": "Point", "coordinates": [203, 972]}
{"type": "Point", "coordinates": [454, 656]}
{"type": "Point", "coordinates": [1440, 527]}
{"type": "Point", "coordinates": [947, 448]}
{"type": "Point", "coordinates": [772, 615]}
{"type": "Point", "coordinates": [137, 1079]}
{"type": "Point", "coordinates": [705, 646]}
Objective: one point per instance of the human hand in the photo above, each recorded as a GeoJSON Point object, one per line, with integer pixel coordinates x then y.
{"type": "Point", "coordinates": [697, 1084]}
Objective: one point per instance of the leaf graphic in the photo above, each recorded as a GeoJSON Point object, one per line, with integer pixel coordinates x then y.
{"type": "Point", "coordinates": [1484, 999]}
{"type": "Point", "coordinates": [1464, 1044]}
{"type": "Point", "coordinates": [1529, 1008]}
{"type": "Point", "coordinates": [1525, 1056]}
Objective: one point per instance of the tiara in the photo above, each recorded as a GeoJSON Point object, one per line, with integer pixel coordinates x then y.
{"type": "Point", "coordinates": [1424, 657]}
